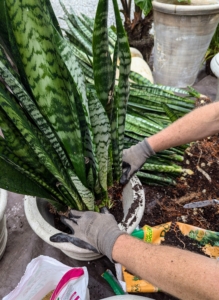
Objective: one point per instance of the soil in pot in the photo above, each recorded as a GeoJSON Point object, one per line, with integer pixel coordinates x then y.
{"type": "Point", "coordinates": [115, 194]}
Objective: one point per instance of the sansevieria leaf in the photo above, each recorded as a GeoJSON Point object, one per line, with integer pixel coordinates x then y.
{"type": "Point", "coordinates": [47, 76]}
{"type": "Point", "coordinates": [102, 64]}
{"type": "Point", "coordinates": [122, 93]}
{"type": "Point", "coordinates": [14, 181]}
{"type": "Point", "coordinates": [101, 130]}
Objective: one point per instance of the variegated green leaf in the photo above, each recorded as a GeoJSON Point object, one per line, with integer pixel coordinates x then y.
{"type": "Point", "coordinates": [101, 131]}
{"type": "Point", "coordinates": [47, 76]}
{"type": "Point", "coordinates": [17, 182]}
{"type": "Point", "coordinates": [18, 164]}
{"type": "Point", "coordinates": [102, 64]}
{"type": "Point", "coordinates": [139, 79]}
{"type": "Point", "coordinates": [171, 114]}
{"type": "Point", "coordinates": [122, 93]}
{"type": "Point", "coordinates": [22, 96]}
{"type": "Point", "coordinates": [20, 148]}
{"type": "Point", "coordinates": [78, 36]}
{"type": "Point", "coordinates": [36, 140]}
{"type": "Point", "coordinates": [86, 195]}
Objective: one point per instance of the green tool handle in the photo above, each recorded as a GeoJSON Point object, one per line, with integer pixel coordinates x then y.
{"type": "Point", "coordinates": [138, 233]}
{"type": "Point", "coordinates": [113, 282]}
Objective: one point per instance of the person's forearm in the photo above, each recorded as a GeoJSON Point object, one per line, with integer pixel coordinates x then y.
{"type": "Point", "coordinates": [200, 123]}
{"type": "Point", "coordinates": [181, 273]}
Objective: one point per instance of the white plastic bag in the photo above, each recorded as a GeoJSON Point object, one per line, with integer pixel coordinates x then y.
{"type": "Point", "coordinates": [42, 276]}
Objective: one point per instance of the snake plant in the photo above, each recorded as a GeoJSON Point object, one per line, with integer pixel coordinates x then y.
{"type": "Point", "coordinates": [150, 107]}
{"type": "Point", "coordinates": [62, 138]}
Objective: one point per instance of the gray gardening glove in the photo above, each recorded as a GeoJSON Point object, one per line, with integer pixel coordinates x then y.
{"type": "Point", "coordinates": [134, 158]}
{"type": "Point", "coordinates": [90, 230]}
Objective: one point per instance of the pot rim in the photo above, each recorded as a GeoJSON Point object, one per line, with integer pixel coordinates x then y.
{"type": "Point", "coordinates": [44, 229]}
{"type": "Point", "coordinates": [195, 10]}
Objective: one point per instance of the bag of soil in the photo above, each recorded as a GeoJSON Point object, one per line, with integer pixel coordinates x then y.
{"type": "Point", "coordinates": [177, 234]}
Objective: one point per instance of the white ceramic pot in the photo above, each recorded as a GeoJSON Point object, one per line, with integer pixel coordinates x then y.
{"type": "Point", "coordinates": [182, 36]}
{"type": "Point", "coordinates": [3, 228]}
{"type": "Point", "coordinates": [140, 66]}
{"type": "Point", "coordinates": [42, 222]}
{"type": "Point", "coordinates": [215, 70]}
{"type": "Point", "coordinates": [135, 52]}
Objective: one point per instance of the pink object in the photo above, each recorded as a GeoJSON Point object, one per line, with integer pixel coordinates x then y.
{"type": "Point", "coordinates": [69, 292]}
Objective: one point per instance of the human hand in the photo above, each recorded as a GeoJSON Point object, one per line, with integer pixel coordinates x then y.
{"type": "Point", "coordinates": [90, 230]}
{"type": "Point", "coordinates": [134, 158]}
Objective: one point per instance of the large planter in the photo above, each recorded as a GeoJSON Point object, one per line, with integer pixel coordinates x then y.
{"type": "Point", "coordinates": [182, 36]}
{"type": "Point", "coordinates": [42, 222]}
{"type": "Point", "coordinates": [3, 228]}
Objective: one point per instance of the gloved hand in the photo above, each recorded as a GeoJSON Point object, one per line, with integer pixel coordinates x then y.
{"type": "Point", "coordinates": [90, 230]}
{"type": "Point", "coordinates": [134, 158]}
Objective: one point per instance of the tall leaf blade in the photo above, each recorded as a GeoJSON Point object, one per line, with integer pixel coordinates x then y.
{"type": "Point", "coordinates": [102, 64]}
{"type": "Point", "coordinates": [122, 93]}
{"type": "Point", "coordinates": [101, 131]}
{"type": "Point", "coordinates": [19, 165]}
{"type": "Point", "coordinates": [76, 73]}
{"type": "Point", "coordinates": [14, 181]}
{"type": "Point", "coordinates": [47, 76]}
{"type": "Point", "coordinates": [23, 97]}
{"type": "Point", "coordinates": [37, 142]}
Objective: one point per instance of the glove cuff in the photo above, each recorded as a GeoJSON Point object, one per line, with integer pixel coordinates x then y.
{"type": "Point", "coordinates": [146, 148]}
{"type": "Point", "coordinates": [107, 247]}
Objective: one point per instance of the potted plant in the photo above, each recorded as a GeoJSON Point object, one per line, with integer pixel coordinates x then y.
{"type": "Point", "coordinates": [63, 136]}
{"type": "Point", "coordinates": [182, 36]}
{"type": "Point", "coordinates": [138, 28]}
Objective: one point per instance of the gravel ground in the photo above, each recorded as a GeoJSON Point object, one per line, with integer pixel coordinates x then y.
{"type": "Point", "coordinates": [87, 7]}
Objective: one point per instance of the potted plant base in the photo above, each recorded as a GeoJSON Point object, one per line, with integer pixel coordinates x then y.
{"type": "Point", "coordinates": [42, 222]}
{"type": "Point", "coordinates": [3, 228]}
{"type": "Point", "coordinates": [182, 36]}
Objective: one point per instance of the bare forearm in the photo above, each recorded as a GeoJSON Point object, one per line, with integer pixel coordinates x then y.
{"type": "Point", "coordinates": [200, 123]}
{"type": "Point", "coordinates": [181, 273]}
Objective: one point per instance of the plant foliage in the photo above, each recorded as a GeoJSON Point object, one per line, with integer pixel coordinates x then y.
{"type": "Point", "coordinates": [62, 138]}
{"type": "Point", "coordinates": [150, 108]}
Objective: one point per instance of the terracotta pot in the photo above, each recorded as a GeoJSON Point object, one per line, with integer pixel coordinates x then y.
{"type": "Point", "coordinates": [182, 36]}
{"type": "Point", "coordinates": [42, 222]}
{"type": "Point", "coordinates": [3, 228]}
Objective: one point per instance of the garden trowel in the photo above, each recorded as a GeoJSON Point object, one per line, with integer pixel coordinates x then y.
{"type": "Point", "coordinates": [201, 203]}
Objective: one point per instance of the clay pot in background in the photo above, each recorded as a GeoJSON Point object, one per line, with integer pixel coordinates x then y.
{"type": "Point", "coordinates": [182, 36]}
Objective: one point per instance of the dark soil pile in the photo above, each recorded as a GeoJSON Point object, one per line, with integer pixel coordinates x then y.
{"type": "Point", "coordinates": [164, 204]}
